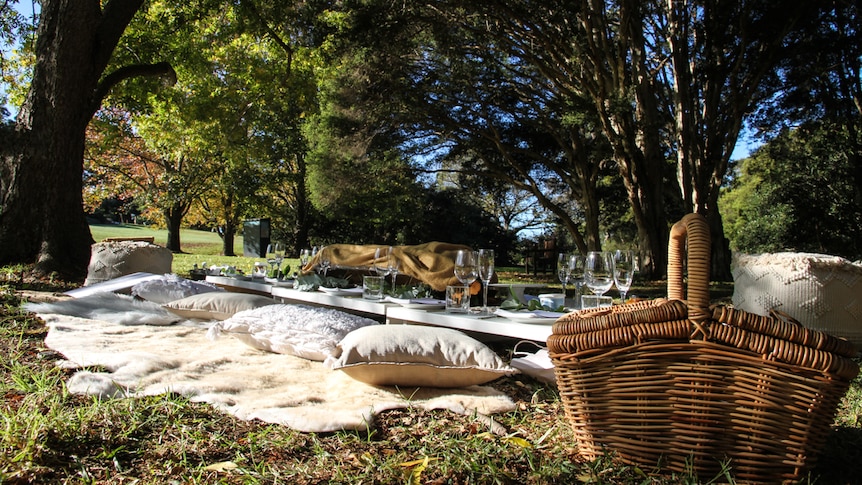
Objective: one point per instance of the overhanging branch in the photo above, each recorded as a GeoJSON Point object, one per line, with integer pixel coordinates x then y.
{"type": "Point", "coordinates": [161, 69]}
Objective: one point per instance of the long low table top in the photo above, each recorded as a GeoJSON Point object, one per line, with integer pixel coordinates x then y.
{"type": "Point", "coordinates": [393, 312]}
{"type": "Point", "coordinates": [472, 323]}
{"type": "Point", "coordinates": [355, 303]}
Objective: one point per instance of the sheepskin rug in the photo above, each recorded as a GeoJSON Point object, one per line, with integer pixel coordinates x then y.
{"type": "Point", "coordinates": [124, 359]}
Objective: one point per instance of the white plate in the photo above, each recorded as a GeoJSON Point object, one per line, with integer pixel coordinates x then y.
{"type": "Point", "coordinates": [418, 303]}
{"type": "Point", "coordinates": [539, 317]}
{"type": "Point", "coordinates": [341, 291]}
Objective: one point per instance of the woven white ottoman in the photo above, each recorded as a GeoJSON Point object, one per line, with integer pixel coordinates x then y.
{"type": "Point", "coordinates": [820, 291]}
{"type": "Point", "coordinates": [112, 259]}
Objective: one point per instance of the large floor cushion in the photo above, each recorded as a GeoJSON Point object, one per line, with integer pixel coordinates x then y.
{"type": "Point", "coordinates": [820, 291]}
{"type": "Point", "coordinates": [112, 259]}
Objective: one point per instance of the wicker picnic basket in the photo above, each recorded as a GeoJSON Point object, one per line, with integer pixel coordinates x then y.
{"type": "Point", "coordinates": [677, 384]}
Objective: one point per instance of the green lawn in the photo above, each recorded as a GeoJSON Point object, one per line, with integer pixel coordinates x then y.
{"type": "Point", "coordinates": [198, 246]}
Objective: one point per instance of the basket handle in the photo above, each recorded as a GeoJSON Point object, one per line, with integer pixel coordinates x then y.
{"type": "Point", "coordinates": [694, 230]}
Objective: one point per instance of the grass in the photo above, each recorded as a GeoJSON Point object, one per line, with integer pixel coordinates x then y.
{"type": "Point", "coordinates": [50, 436]}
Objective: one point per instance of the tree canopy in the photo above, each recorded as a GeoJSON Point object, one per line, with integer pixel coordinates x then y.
{"type": "Point", "coordinates": [345, 120]}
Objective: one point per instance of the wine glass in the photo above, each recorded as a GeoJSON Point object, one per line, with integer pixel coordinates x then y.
{"type": "Point", "coordinates": [271, 258]}
{"type": "Point", "coordinates": [625, 265]}
{"type": "Point", "coordinates": [380, 265]}
{"type": "Point", "coordinates": [576, 275]}
{"type": "Point", "coordinates": [392, 265]}
{"type": "Point", "coordinates": [486, 271]}
{"type": "Point", "coordinates": [304, 258]}
{"type": "Point", "coordinates": [564, 272]}
{"type": "Point", "coordinates": [323, 260]}
{"type": "Point", "coordinates": [465, 266]}
{"type": "Point", "coordinates": [598, 272]}
{"type": "Point", "coordinates": [278, 251]}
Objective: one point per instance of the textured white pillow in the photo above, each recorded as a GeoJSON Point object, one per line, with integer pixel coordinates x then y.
{"type": "Point", "coordinates": [216, 305]}
{"type": "Point", "coordinates": [416, 355]}
{"type": "Point", "coordinates": [304, 331]}
{"type": "Point", "coordinates": [171, 287]}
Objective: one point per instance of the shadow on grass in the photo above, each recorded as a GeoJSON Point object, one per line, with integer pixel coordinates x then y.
{"type": "Point", "coordinates": [841, 459]}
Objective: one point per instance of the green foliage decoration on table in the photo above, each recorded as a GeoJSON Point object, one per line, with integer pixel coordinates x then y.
{"type": "Point", "coordinates": [410, 291]}
{"type": "Point", "coordinates": [313, 281]}
{"type": "Point", "coordinates": [512, 303]}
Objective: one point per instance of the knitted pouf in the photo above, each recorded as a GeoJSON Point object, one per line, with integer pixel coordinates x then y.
{"type": "Point", "coordinates": [113, 259]}
{"type": "Point", "coordinates": [820, 291]}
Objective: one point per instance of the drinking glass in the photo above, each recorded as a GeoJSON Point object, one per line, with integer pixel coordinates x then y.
{"type": "Point", "coordinates": [576, 276]}
{"type": "Point", "coordinates": [279, 256]}
{"type": "Point", "coordinates": [598, 272]}
{"type": "Point", "coordinates": [271, 258]}
{"type": "Point", "coordinates": [380, 265]}
{"type": "Point", "coordinates": [564, 271]}
{"type": "Point", "coordinates": [323, 260]}
{"type": "Point", "coordinates": [393, 263]}
{"type": "Point", "coordinates": [625, 265]}
{"type": "Point", "coordinates": [465, 266]}
{"type": "Point", "coordinates": [304, 258]}
{"type": "Point", "coordinates": [486, 271]}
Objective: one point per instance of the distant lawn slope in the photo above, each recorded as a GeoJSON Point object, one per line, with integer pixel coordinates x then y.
{"type": "Point", "coordinates": [198, 246]}
{"type": "Point", "coordinates": [191, 241]}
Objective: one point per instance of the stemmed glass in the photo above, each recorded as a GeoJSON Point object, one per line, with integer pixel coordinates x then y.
{"type": "Point", "coordinates": [323, 261]}
{"type": "Point", "coordinates": [576, 275]}
{"type": "Point", "coordinates": [304, 258]}
{"type": "Point", "coordinates": [625, 266]}
{"type": "Point", "coordinates": [598, 272]}
{"type": "Point", "coordinates": [279, 256]}
{"type": "Point", "coordinates": [272, 257]}
{"type": "Point", "coordinates": [392, 264]}
{"type": "Point", "coordinates": [564, 271]}
{"type": "Point", "coordinates": [465, 266]}
{"type": "Point", "coordinates": [486, 271]}
{"type": "Point", "coordinates": [381, 262]}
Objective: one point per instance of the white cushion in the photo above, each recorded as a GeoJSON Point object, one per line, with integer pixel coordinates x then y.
{"type": "Point", "coordinates": [109, 260]}
{"type": "Point", "coordinates": [416, 355]}
{"type": "Point", "coordinates": [300, 330]}
{"type": "Point", "coordinates": [171, 287]}
{"type": "Point", "coordinates": [820, 291]}
{"type": "Point", "coordinates": [216, 305]}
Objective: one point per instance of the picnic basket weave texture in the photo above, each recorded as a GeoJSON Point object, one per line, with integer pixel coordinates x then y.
{"type": "Point", "coordinates": [679, 384]}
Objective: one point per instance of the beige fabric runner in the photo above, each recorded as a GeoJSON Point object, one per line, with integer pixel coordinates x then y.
{"type": "Point", "coordinates": [247, 383]}
{"type": "Point", "coordinates": [432, 263]}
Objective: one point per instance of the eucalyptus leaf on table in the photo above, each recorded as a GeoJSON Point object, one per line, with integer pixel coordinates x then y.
{"type": "Point", "coordinates": [313, 281]}
{"type": "Point", "coordinates": [513, 304]}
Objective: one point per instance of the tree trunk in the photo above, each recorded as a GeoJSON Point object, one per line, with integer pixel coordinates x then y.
{"type": "Point", "coordinates": [300, 238]}
{"type": "Point", "coordinates": [42, 219]}
{"type": "Point", "coordinates": [173, 219]}
{"type": "Point", "coordinates": [228, 235]}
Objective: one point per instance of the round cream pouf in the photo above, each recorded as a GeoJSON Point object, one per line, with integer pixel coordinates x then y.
{"type": "Point", "coordinates": [112, 259]}
{"type": "Point", "coordinates": [820, 291]}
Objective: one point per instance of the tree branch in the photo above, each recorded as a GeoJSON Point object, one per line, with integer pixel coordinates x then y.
{"type": "Point", "coordinates": [161, 69]}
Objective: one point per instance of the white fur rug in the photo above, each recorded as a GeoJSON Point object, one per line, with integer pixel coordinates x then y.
{"type": "Point", "coordinates": [245, 382]}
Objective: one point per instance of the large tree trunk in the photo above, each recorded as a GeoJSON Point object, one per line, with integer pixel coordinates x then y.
{"type": "Point", "coordinates": [42, 219]}
{"type": "Point", "coordinates": [174, 219]}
